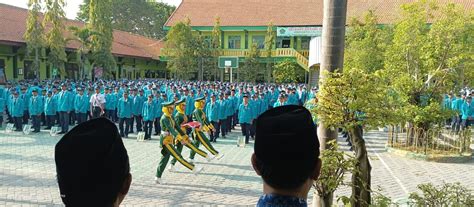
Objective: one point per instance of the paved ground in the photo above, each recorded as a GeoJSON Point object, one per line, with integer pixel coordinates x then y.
{"type": "Point", "coordinates": [27, 174]}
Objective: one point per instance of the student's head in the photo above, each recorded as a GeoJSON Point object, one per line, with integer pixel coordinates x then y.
{"type": "Point", "coordinates": [125, 94]}
{"type": "Point", "coordinates": [246, 98]}
{"type": "Point", "coordinates": [92, 165]}
{"type": "Point", "coordinates": [34, 92]}
{"type": "Point", "coordinates": [80, 91]}
{"type": "Point", "coordinates": [469, 99]}
{"type": "Point", "coordinates": [286, 151]}
{"type": "Point", "coordinates": [150, 98]}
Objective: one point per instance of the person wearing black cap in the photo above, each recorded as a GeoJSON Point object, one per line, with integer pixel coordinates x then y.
{"type": "Point", "coordinates": [148, 113]}
{"type": "Point", "coordinates": [245, 117]}
{"type": "Point", "coordinates": [63, 108]}
{"type": "Point", "coordinates": [81, 104]}
{"type": "Point", "coordinates": [17, 110]}
{"type": "Point", "coordinates": [50, 110]}
{"type": "Point", "coordinates": [286, 155]}
{"type": "Point", "coordinates": [97, 104]}
{"type": "Point", "coordinates": [92, 165]}
{"type": "Point", "coordinates": [124, 112]}
{"type": "Point", "coordinates": [35, 109]}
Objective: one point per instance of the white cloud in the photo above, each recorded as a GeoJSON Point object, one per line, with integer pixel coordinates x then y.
{"type": "Point", "coordinates": [72, 6]}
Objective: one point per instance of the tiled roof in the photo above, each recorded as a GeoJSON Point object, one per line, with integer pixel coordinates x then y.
{"type": "Point", "coordinates": [13, 27]}
{"type": "Point", "coordinates": [282, 12]}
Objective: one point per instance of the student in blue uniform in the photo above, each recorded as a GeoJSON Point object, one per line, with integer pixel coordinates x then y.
{"type": "Point", "coordinates": [17, 110]}
{"type": "Point", "coordinates": [81, 104]}
{"type": "Point", "coordinates": [137, 109]}
{"type": "Point", "coordinates": [124, 112]}
{"type": "Point", "coordinates": [43, 97]}
{"type": "Point", "coordinates": [212, 112]}
{"type": "Point", "coordinates": [245, 117]}
{"type": "Point", "coordinates": [35, 109]}
{"type": "Point", "coordinates": [159, 100]}
{"type": "Point", "coordinates": [131, 96]}
{"type": "Point", "coordinates": [72, 112]}
{"type": "Point", "coordinates": [456, 106]}
{"type": "Point", "coordinates": [148, 112]}
{"type": "Point", "coordinates": [50, 109]}
{"type": "Point", "coordinates": [2, 109]}
{"type": "Point", "coordinates": [222, 116]}
{"type": "Point", "coordinates": [189, 104]}
{"type": "Point", "coordinates": [229, 111]}
{"type": "Point", "coordinates": [25, 96]}
{"type": "Point", "coordinates": [467, 113]}
{"type": "Point", "coordinates": [110, 104]}
{"type": "Point", "coordinates": [64, 105]}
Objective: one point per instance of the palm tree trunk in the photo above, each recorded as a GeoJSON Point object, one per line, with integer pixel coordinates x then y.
{"type": "Point", "coordinates": [333, 36]}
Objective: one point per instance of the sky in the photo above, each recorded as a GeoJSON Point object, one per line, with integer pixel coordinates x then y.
{"type": "Point", "coordinates": [72, 6]}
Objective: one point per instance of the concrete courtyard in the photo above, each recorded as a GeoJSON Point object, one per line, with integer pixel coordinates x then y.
{"type": "Point", "coordinates": [27, 173]}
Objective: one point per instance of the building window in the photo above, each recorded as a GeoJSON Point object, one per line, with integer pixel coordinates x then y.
{"type": "Point", "coordinates": [283, 42]}
{"type": "Point", "coordinates": [259, 40]}
{"type": "Point", "coordinates": [234, 42]}
{"type": "Point", "coordinates": [305, 43]}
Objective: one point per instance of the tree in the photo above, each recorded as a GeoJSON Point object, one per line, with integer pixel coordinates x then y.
{"type": "Point", "coordinates": [180, 43]}
{"type": "Point", "coordinates": [34, 33]}
{"type": "Point", "coordinates": [204, 55]}
{"type": "Point", "coordinates": [251, 65]}
{"type": "Point", "coordinates": [352, 100]}
{"type": "Point", "coordinates": [54, 16]}
{"type": "Point", "coordinates": [269, 42]}
{"type": "Point", "coordinates": [366, 43]}
{"type": "Point", "coordinates": [216, 46]}
{"type": "Point", "coordinates": [84, 37]}
{"type": "Point", "coordinates": [427, 59]}
{"type": "Point", "coordinates": [141, 17]}
{"type": "Point", "coordinates": [288, 72]}
{"type": "Point", "coordinates": [100, 21]}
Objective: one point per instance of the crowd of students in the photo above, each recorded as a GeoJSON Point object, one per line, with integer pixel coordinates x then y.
{"type": "Point", "coordinates": [461, 104]}
{"type": "Point", "coordinates": [136, 105]}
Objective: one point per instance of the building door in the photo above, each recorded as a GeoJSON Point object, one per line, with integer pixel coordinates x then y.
{"type": "Point", "coordinates": [28, 70]}
{"type": "Point", "coordinates": [283, 42]}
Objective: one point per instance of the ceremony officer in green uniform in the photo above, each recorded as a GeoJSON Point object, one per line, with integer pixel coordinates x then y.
{"type": "Point", "coordinates": [167, 139]}
{"type": "Point", "coordinates": [198, 133]}
{"type": "Point", "coordinates": [180, 118]}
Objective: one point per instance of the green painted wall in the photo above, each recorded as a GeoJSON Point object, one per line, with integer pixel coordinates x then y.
{"type": "Point", "coordinates": [6, 54]}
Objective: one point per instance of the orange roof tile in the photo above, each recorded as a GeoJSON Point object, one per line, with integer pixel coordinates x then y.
{"type": "Point", "coordinates": [282, 12]}
{"type": "Point", "coordinates": [13, 27]}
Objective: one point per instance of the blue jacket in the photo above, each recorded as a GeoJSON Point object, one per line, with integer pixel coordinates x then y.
{"type": "Point", "coordinates": [148, 111]}
{"type": "Point", "coordinates": [64, 101]}
{"type": "Point", "coordinates": [189, 105]}
{"type": "Point", "coordinates": [229, 108]}
{"type": "Point", "coordinates": [158, 105]}
{"type": "Point", "coordinates": [212, 111]}
{"type": "Point", "coordinates": [222, 109]}
{"type": "Point", "coordinates": [26, 100]}
{"type": "Point", "coordinates": [81, 103]}
{"type": "Point", "coordinates": [124, 108]}
{"type": "Point", "coordinates": [17, 107]}
{"type": "Point", "coordinates": [50, 106]}
{"type": "Point", "coordinates": [110, 101]}
{"type": "Point", "coordinates": [467, 111]}
{"type": "Point", "coordinates": [138, 105]}
{"type": "Point", "coordinates": [245, 113]}
{"type": "Point", "coordinates": [2, 105]}
{"type": "Point", "coordinates": [456, 105]}
{"type": "Point", "coordinates": [277, 104]}
{"type": "Point", "coordinates": [35, 106]}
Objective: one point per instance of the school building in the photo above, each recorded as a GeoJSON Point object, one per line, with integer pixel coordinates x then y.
{"type": "Point", "coordinates": [136, 56]}
{"type": "Point", "coordinates": [244, 23]}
